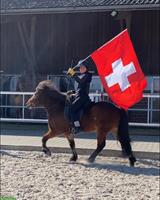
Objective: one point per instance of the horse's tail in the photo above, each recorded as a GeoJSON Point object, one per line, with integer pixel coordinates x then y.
{"type": "Point", "coordinates": [123, 133]}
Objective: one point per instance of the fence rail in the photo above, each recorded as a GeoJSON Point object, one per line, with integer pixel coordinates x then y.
{"type": "Point", "coordinates": [13, 109]}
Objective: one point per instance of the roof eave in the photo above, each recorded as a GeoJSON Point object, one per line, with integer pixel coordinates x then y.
{"type": "Point", "coordinates": [80, 9]}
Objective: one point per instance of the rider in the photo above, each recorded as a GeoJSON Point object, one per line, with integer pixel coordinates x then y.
{"type": "Point", "coordinates": [82, 93]}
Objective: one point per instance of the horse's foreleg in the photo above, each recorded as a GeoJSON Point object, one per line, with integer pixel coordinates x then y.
{"type": "Point", "coordinates": [101, 142]}
{"type": "Point", "coordinates": [70, 139]}
{"type": "Point", "coordinates": [45, 149]}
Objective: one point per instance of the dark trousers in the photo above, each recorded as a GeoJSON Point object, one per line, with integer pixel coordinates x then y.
{"type": "Point", "coordinates": [76, 106]}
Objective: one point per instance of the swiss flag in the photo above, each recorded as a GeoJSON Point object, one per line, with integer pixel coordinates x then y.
{"type": "Point", "coordinates": [119, 70]}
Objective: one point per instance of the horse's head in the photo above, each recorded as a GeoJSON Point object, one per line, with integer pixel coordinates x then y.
{"type": "Point", "coordinates": [40, 96]}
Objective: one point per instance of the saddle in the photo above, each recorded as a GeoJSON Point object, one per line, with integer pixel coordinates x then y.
{"type": "Point", "coordinates": [67, 112]}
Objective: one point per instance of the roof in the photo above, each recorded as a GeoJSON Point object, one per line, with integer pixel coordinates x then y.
{"type": "Point", "coordinates": [35, 6]}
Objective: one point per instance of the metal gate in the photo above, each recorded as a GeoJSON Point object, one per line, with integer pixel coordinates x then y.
{"type": "Point", "coordinates": [13, 109]}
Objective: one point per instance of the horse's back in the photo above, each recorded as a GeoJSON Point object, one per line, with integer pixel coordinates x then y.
{"type": "Point", "coordinates": [104, 107]}
{"type": "Point", "coordinates": [102, 114]}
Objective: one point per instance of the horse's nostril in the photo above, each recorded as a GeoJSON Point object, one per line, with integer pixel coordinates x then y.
{"type": "Point", "coordinates": [29, 105]}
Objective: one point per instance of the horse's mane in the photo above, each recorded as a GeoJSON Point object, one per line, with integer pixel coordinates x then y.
{"type": "Point", "coordinates": [46, 84]}
{"type": "Point", "coordinates": [50, 90]}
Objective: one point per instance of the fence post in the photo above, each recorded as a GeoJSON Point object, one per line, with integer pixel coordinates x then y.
{"type": "Point", "coordinates": [23, 106]}
{"type": "Point", "coordinates": [148, 109]}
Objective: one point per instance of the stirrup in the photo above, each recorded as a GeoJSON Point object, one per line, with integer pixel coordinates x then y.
{"type": "Point", "coordinates": [75, 130]}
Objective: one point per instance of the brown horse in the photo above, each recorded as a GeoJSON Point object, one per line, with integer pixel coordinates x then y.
{"type": "Point", "coordinates": [102, 117]}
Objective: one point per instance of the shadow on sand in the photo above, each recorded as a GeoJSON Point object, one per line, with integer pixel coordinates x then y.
{"type": "Point", "coordinates": [123, 168]}
{"type": "Point", "coordinates": [7, 153]}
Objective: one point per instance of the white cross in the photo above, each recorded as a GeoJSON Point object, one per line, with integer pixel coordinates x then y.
{"type": "Point", "coordinates": [120, 74]}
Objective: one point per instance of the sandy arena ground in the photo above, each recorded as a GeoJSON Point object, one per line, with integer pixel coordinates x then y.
{"type": "Point", "coordinates": [34, 176]}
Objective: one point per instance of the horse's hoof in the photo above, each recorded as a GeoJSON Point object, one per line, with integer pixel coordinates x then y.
{"type": "Point", "coordinates": [73, 159]}
{"type": "Point", "coordinates": [132, 161]}
{"type": "Point", "coordinates": [91, 160]}
{"type": "Point", "coordinates": [46, 151]}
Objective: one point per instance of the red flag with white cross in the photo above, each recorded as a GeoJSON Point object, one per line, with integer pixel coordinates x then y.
{"type": "Point", "coordinates": [120, 71]}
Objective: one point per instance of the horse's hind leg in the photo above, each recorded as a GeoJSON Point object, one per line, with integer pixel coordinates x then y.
{"type": "Point", "coordinates": [70, 139]}
{"type": "Point", "coordinates": [47, 136]}
{"type": "Point", "coordinates": [101, 142]}
{"type": "Point", "coordinates": [123, 137]}
{"type": "Point", "coordinates": [124, 140]}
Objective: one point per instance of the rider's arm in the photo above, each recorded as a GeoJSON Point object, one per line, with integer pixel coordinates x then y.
{"type": "Point", "coordinates": [85, 78]}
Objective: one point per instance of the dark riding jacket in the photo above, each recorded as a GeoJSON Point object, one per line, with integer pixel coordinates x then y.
{"type": "Point", "coordinates": [83, 84]}
{"type": "Point", "coordinates": [81, 96]}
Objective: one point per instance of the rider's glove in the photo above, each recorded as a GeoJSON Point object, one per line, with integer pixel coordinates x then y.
{"type": "Point", "coordinates": [70, 92]}
{"type": "Point", "coordinates": [71, 72]}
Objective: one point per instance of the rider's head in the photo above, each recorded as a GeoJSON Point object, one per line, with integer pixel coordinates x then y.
{"type": "Point", "coordinates": [82, 67]}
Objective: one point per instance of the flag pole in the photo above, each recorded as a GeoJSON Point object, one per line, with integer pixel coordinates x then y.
{"type": "Point", "coordinates": [100, 48]}
{"type": "Point", "coordinates": [82, 62]}
{"type": "Point", "coordinates": [76, 66]}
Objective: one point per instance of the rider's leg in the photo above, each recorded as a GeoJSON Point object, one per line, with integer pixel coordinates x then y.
{"type": "Point", "coordinates": [75, 107]}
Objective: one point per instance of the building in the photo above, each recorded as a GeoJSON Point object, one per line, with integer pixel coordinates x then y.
{"type": "Point", "coordinates": [42, 38]}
